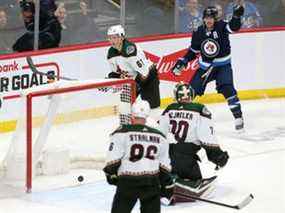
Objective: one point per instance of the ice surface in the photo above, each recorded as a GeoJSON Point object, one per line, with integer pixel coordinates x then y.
{"type": "Point", "coordinates": [256, 165]}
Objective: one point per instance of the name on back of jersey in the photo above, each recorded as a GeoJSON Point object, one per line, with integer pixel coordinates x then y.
{"type": "Point", "coordinates": [144, 138]}
{"type": "Point", "coordinates": [183, 115]}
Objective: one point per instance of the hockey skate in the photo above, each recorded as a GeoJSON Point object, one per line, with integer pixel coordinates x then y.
{"type": "Point", "coordinates": [199, 188]}
{"type": "Point", "coordinates": [239, 125]}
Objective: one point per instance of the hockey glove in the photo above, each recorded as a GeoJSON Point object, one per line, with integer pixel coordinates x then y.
{"type": "Point", "coordinates": [216, 155]}
{"type": "Point", "coordinates": [114, 75]}
{"type": "Point", "coordinates": [112, 179]}
{"type": "Point", "coordinates": [238, 11]}
{"type": "Point", "coordinates": [221, 160]}
{"type": "Point", "coordinates": [178, 67]}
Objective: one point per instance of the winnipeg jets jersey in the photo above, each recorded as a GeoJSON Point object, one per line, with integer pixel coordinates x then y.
{"type": "Point", "coordinates": [189, 123]}
{"type": "Point", "coordinates": [140, 150]}
{"type": "Point", "coordinates": [213, 45]}
{"type": "Point", "coordinates": [131, 60]}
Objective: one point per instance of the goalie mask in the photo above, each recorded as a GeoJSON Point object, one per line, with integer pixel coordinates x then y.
{"type": "Point", "coordinates": [183, 92]}
{"type": "Point", "coordinates": [116, 30]}
{"type": "Point", "coordinates": [141, 109]}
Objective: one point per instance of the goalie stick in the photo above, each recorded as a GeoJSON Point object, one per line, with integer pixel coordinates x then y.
{"type": "Point", "coordinates": [35, 70]}
{"type": "Point", "coordinates": [238, 206]}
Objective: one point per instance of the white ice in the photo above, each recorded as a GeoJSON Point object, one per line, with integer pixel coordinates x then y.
{"type": "Point", "coordinates": [256, 165]}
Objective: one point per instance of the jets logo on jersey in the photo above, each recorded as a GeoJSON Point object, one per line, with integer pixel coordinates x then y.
{"type": "Point", "coordinates": [210, 48]}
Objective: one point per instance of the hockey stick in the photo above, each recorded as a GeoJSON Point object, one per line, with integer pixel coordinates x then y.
{"type": "Point", "coordinates": [206, 75]}
{"type": "Point", "coordinates": [35, 70]}
{"type": "Point", "coordinates": [240, 205]}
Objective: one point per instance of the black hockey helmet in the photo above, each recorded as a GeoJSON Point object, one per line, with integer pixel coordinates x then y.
{"type": "Point", "coordinates": [28, 6]}
{"type": "Point", "coordinates": [210, 11]}
{"type": "Point", "coordinates": [183, 91]}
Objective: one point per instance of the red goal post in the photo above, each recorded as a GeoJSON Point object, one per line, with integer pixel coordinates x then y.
{"type": "Point", "coordinates": [126, 88]}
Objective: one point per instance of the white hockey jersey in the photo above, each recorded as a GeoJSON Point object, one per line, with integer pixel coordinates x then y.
{"type": "Point", "coordinates": [188, 122]}
{"type": "Point", "coordinates": [130, 61]}
{"type": "Point", "coordinates": [141, 150]}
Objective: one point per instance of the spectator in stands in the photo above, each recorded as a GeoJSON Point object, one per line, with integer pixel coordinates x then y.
{"type": "Point", "coordinates": [49, 29]}
{"type": "Point", "coordinates": [9, 30]}
{"type": "Point", "coordinates": [12, 9]}
{"type": "Point", "coordinates": [266, 9]}
{"type": "Point", "coordinates": [220, 10]}
{"type": "Point", "coordinates": [190, 15]}
{"type": "Point", "coordinates": [82, 25]}
{"type": "Point", "coordinates": [155, 12]}
{"type": "Point", "coordinates": [3, 18]}
{"type": "Point", "coordinates": [278, 17]}
{"type": "Point", "coordinates": [48, 6]}
{"type": "Point", "coordinates": [61, 14]}
{"type": "Point", "coordinates": [251, 17]}
{"type": "Point", "coordinates": [223, 3]}
{"type": "Point", "coordinates": [79, 25]}
{"type": "Point", "coordinates": [5, 41]}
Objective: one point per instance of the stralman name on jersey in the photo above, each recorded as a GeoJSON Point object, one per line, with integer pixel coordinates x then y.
{"type": "Point", "coordinates": [144, 138]}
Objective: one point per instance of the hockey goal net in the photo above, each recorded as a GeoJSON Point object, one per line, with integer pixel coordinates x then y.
{"type": "Point", "coordinates": [72, 120]}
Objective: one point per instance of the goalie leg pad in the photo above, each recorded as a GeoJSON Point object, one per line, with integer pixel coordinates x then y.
{"type": "Point", "coordinates": [199, 188]}
{"type": "Point", "coordinates": [184, 160]}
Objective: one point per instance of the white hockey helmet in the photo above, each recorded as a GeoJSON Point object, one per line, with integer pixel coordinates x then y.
{"type": "Point", "coordinates": [116, 30]}
{"type": "Point", "coordinates": [141, 109]}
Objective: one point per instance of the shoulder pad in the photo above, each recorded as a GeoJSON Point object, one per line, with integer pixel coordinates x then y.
{"type": "Point", "coordinates": [121, 128]}
{"type": "Point", "coordinates": [112, 52]}
{"type": "Point", "coordinates": [167, 109]}
{"type": "Point", "coordinates": [129, 49]}
{"type": "Point", "coordinates": [206, 113]}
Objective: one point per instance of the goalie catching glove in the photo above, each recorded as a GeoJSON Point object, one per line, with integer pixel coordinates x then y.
{"type": "Point", "coordinates": [216, 155]}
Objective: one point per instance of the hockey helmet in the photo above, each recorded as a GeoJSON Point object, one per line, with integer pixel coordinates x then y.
{"type": "Point", "coordinates": [183, 91]}
{"type": "Point", "coordinates": [211, 12]}
{"type": "Point", "coordinates": [116, 30]}
{"type": "Point", "coordinates": [141, 109]}
{"type": "Point", "coordinates": [27, 6]}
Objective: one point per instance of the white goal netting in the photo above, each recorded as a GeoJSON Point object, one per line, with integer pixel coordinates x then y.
{"type": "Point", "coordinates": [66, 125]}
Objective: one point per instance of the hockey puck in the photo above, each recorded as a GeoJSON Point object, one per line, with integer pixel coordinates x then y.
{"type": "Point", "coordinates": [80, 178]}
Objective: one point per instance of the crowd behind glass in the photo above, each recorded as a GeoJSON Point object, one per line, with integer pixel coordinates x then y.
{"type": "Point", "coordinates": [86, 21]}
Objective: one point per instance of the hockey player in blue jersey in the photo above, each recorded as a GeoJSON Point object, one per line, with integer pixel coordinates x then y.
{"type": "Point", "coordinates": [211, 41]}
